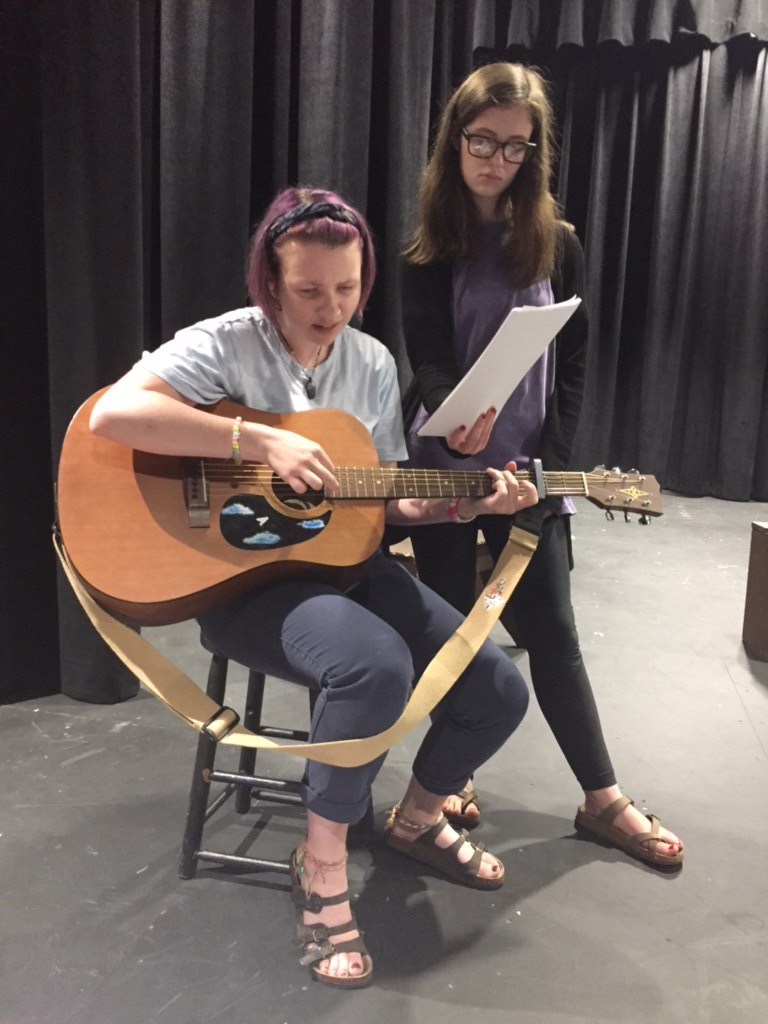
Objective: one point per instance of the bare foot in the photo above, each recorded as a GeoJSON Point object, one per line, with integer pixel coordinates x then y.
{"type": "Point", "coordinates": [406, 817]}
{"type": "Point", "coordinates": [452, 805]}
{"type": "Point", "coordinates": [631, 821]}
{"type": "Point", "coordinates": [329, 881]}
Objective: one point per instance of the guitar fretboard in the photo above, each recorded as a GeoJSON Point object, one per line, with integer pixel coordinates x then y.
{"type": "Point", "coordinates": [378, 482]}
{"type": "Point", "coordinates": [362, 482]}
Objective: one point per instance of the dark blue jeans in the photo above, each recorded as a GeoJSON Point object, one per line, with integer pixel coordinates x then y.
{"type": "Point", "coordinates": [544, 624]}
{"type": "Point", "coordinates": [364, 648]}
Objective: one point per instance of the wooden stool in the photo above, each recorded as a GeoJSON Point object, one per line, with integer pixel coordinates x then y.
{"type": "Point", "coordinates": [243, 783]}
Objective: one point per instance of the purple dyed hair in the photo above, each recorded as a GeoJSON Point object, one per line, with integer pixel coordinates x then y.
{"type": "Point", "coordinates": [263, 256]}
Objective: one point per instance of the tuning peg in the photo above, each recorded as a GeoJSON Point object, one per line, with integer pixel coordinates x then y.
{"type": "Point", "coordinates": [644, 520]}
{"type": "Point", "coordinates": [626, 516]}
{"type": "Point", "coordinates": [609, 515]}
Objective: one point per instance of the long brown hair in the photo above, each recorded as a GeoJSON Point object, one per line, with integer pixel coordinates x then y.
{"type": "Point", "coordinates": [448, 220]}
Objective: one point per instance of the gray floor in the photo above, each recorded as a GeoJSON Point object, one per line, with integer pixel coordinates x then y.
{"type": "Point", "coordinates": [97, 928]}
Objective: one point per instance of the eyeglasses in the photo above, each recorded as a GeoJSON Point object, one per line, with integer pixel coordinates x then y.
{"type": "Point", "coordinates": [481, 146]}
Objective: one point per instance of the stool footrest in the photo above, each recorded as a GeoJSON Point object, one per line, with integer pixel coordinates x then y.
{"type": "Point", "coordinates": [276, 732]}
{"type": "Point", "coordinates": [241, 779]}
{"type": "Point", "coordinates": [237, 861]}
{"type": "Point", "coordinates": [280, 798]}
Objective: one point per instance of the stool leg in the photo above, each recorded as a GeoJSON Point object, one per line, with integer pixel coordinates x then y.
{"type": "Point", "coordinates": [200, 787]}
{"type": "Point", "coordinates": [254, 701]}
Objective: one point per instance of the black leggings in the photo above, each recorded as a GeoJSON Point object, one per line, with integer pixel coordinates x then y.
{"type": "Point", "coordinates": [541, 609]}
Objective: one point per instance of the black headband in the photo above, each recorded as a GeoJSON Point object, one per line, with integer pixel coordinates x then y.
{"type": "Point", "coordinates": [310, 211]}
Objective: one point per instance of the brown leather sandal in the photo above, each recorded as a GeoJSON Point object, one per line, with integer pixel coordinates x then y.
{"type": "Point", "coordinates": [460, 819]}
{"type": "Point", "coordinates": [642, 846]}
{"type": "Point", "coordinates": [316, 940]}
{"type": "Point", "coordinates": [423, 849]}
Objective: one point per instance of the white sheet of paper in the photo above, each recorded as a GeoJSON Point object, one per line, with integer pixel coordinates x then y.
{"type": "Point", "coordinates": [521, 340]}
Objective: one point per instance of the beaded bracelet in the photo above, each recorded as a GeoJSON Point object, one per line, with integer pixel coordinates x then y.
{"type": "Point", "coordinates": [454, 515]}
{"type": "Point", "coordinates": [236, 454]}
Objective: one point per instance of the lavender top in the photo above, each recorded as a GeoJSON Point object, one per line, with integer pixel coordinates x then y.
{"type": "Point", "coordinates": [482, 298]}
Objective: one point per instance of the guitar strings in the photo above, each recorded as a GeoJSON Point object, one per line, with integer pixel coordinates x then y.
{"type": "Point", "coordinates": [558, 483]}
{"type": "Point", "coordinates": [226, 470]}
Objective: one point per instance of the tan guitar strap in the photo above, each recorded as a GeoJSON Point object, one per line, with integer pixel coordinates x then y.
{"type": "Point", "coordinates": [182, 695]}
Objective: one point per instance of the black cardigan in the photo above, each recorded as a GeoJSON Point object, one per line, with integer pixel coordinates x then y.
{"type": "Point", "coordinates": [428, 330]}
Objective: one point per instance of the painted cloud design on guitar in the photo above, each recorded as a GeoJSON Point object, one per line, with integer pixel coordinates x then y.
{"type": "Point", "coordinates": [248, 521]}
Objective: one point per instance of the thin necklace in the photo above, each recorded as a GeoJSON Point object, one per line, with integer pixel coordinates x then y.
{"type": "Point", "coordinates": [308, 373]}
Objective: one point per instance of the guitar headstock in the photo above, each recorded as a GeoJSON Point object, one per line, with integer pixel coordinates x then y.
{"type": "Point", "coordinates": [618, 491]}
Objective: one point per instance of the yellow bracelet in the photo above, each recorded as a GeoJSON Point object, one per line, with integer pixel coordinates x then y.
{"type": "Point", "coordinates": [236, 454]}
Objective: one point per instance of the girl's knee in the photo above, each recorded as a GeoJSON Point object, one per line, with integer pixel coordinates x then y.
{"type": "Point", "coordinates": [498, 688]}
{"type": "Point", "coordinates": [382, 680]}
{"type": "Point", "coordinates": [393, 681]}
{"type": "Point", "coordinates": [514, 698]}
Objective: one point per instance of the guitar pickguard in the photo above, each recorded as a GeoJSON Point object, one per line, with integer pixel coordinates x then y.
{"type": "Point", "coordinates": [251, 523]}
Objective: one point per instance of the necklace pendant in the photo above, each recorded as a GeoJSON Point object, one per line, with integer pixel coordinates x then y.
{"type": "Point", "coordinates": [309, 388]}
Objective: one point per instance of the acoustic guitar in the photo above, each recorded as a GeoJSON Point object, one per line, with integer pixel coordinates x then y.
{"type": "Point", "coordinates": [156, 538]}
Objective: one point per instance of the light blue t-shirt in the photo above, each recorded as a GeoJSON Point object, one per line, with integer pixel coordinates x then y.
{"type": "Point", "coordinates": [239, 356]}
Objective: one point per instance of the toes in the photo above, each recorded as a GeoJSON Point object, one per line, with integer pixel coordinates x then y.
{"type": "Point", "coordinates": [453, 805]}
{"type": "Point", "coordinates": [356, 965]}
{"type": "Point", "coordinates": [490, 866]}
{"type": "Point", "coordinates": [493, 865]}
{"type": "Point", "coordinates": [670, 849]}
{"type": "Point", "coordinates": [342, 965]}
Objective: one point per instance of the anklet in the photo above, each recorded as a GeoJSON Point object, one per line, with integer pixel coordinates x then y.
{"type": "Point", "coordinates": [396, 815]}
{"type": "Point", "coordinates": [304, 855]}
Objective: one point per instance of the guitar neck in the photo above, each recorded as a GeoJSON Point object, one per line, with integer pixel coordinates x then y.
{"type": "Point", "coordinates": [379, 482]}
{"type": "Point", "coordinates": [609, 489]}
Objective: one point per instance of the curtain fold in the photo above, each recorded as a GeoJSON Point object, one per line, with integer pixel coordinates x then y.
{"type": "Point", "coordinates": [29, 655]}
{"type": "Point", "coordinates": [94, 251]}
{"type": "Point", "coordinates": [539, 26]}
{"type": "Point", "coordinates": [159, 131]}
{"type": "Point", "coordinates": [205, 92]}
{"type": "Point", "coordinates": [335, 97]}
{"type": "Point", "coordinates": [676, 234]}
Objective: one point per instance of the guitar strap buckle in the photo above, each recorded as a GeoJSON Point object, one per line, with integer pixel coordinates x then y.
{"type": "Point", "coordinates": [220, 724]}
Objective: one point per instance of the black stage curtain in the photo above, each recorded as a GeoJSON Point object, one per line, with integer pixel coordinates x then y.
{"type": "Point", "coordinates": [143, 139]}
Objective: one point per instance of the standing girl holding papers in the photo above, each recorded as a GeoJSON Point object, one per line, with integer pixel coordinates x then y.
{"type": "Point", "coordinates": [489, 239]}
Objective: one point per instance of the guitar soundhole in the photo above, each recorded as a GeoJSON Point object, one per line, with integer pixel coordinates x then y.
{"type": "Point", "coordinates": [248, 522]}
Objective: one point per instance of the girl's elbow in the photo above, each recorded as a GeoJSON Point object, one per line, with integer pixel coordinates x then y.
{"type": "Point", "coordinates": [97, 420]}
{"type": "Point", "coordinates": [102, 419]}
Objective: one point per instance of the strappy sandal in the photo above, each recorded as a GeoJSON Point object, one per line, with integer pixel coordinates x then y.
{"type": "Point", "coordinates": [642, 846]}
{"type": "Point", "coordinates": [424, 850]}
{"type": "Point", "coordinates": [316, 940]}
{"type": "Point", "coordinates": [460, 819]}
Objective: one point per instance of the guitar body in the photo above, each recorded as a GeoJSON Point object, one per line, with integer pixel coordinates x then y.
{"type": "Point", "coordinates": [151, 552]}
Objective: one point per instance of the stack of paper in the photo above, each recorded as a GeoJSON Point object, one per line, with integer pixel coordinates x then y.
{"type": "Point", "coordinates": [521, 340]}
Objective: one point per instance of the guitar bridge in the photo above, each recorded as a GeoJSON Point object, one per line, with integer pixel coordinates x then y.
{"type": "Point", "coordinates": [196, 494]}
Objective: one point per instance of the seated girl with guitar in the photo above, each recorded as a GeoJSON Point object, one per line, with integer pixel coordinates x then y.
{"type": "Point", "coordinates": [310, 270]}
